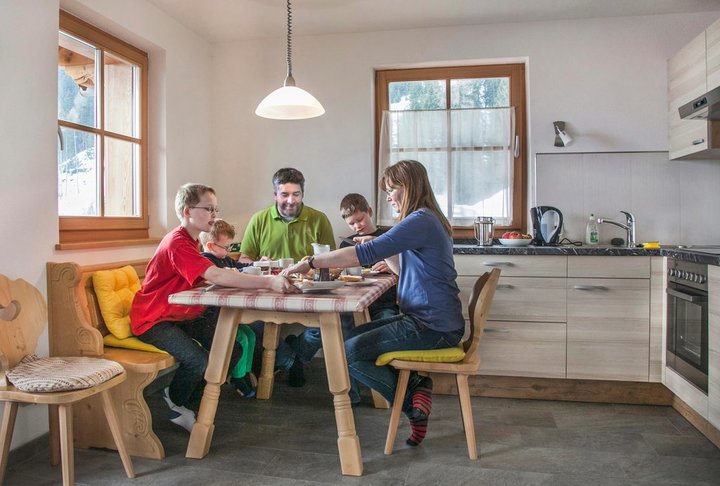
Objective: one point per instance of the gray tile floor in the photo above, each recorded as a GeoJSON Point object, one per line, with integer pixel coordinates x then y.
{"type": "Point", "coordinates": [291, 440]}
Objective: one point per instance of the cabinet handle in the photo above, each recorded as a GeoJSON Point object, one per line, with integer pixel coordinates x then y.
{"type": "Point", "coordinates": [589, 287]}
{"type": "Point", "coordinates": [687, 297]}
{"type": "Point", "coordinates": [504, 287]}
{"type": "Point", "coordinates": [498, 264]}
{"type": "Point", "coordinates": [698, 141]}
{"type": "Point", "coordinates": [497, 329]}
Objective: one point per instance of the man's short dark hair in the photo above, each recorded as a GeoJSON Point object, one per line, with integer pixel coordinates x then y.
{"type": "Point", "coordinates": [289, 175]}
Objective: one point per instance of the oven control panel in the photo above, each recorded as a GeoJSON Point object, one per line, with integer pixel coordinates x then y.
{"type": "Point", "coordinates": [688, 273]}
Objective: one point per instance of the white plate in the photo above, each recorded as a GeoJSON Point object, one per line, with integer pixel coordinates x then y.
{"type": "Point", "coordinates": [361, 283]}
{"type": "Point", "coordinates": [515, 241]}
{"type": "Point", "coordinates": [308, 287]}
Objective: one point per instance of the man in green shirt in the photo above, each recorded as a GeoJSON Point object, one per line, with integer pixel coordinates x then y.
{"type": "Point", "coordinates": [287, 229]}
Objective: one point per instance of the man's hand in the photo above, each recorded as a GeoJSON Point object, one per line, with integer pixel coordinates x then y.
{"type": "Point", "coordinates": [363, 239]}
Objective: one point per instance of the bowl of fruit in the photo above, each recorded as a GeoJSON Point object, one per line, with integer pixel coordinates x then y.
{"type": "Point", "coordinates": [515, 238]}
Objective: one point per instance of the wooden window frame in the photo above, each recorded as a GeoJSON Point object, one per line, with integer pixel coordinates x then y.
{"type": "Point", "coordinates": [516, 73]}
{"type": "Point", "coordinates": [86, 230]}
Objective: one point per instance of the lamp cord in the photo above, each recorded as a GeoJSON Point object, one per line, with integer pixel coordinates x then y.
{"type": "Point", "coordinates": [289, 39]}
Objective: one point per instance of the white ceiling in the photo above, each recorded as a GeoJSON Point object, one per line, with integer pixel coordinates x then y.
{"type": "Point", "coordinates": [230, 20]}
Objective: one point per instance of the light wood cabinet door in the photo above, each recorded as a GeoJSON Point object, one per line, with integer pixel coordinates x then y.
{"type": "Point", "coordinates": [687, 80]}
{"type": "Point", "coordinates": [712, 55]}
{"type": "Point", "coordinates": [609, 267]}
{"type": "Point", "coordinates": [523, 349]}
{"type": "Point", "coordinates": [523, 299]}
{"type": "Point", "coordinates": [512, 265]}
{"type": "Point", "coordinates": [714, 346]}
{"type": "Point", "coordinates": [608, 329]}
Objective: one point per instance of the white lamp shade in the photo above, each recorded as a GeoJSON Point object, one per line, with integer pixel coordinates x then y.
{"type": "Point", "coordinates": [289, 103]}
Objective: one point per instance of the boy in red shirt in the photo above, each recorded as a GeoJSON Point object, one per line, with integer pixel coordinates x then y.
{"type": "Point", "coordinates": [178, 329]}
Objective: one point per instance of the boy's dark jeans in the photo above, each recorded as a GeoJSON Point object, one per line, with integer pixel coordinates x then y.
{"type": "Point", "coordinates": [189, 343]}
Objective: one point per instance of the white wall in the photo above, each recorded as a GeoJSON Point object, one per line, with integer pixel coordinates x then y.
{"type": "Point", "coordinates": [180, 126]}
{"type": "Point", "coordinates": [672, 200]}
{"type": "Point", "coordinates": [605, 77]}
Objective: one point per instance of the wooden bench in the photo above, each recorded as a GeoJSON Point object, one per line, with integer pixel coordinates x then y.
{"type": "Point", "coordinates": [76, 328]}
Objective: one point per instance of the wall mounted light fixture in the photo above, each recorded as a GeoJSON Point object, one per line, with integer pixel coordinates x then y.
{"type": "Point", "coordinates": [562, 139]}
{"type": "Point", "coordinates": [289, 102]}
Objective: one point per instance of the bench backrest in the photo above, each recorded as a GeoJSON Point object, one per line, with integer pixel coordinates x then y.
{"type": "Point", "coordinates": [76, 326]}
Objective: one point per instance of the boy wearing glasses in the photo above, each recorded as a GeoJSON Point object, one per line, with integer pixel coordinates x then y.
{"type": "Point", "coordinates": [177, 266]}
{"type": "Point", "coordinates": [216, 244]}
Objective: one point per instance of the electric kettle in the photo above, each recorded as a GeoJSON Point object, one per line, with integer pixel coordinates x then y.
{"type": "Point", "coordinates": [547, 224]}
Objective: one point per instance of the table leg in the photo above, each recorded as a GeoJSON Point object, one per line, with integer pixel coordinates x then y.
{"type": "Point", "coordinates": [339, 384]}
{"type": "Point", "coordinates": [267, 373]}
{"type": "Point", "coordinates": [378, 400]}
{"type": "Point", "coordinates": [215, 375]}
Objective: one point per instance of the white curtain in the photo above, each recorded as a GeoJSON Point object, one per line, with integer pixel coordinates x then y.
{"type": "Point", "coordinates": [468, 154]}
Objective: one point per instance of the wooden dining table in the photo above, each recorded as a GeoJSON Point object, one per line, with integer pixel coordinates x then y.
{"type": "Point", "coordinates": [309, 309]}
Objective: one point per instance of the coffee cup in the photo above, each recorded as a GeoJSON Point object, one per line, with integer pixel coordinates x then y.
{"type": "Point", "coordinates": [353, 271]}
{"type": "Point", "coordinates": [286, 262]}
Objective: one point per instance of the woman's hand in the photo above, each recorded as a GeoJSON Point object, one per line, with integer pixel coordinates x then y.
{"type": "Point", "coordinates": [381, 267]}
{"type": "Point", "coordinates": [302, 267]}
{"type": "Point", "coordinates": [279, 283]}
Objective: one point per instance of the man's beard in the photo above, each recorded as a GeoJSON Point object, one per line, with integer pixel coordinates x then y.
{"type": "Point", "coordinates": [285, 212]}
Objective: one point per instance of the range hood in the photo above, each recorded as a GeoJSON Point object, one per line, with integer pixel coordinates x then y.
{"type": "Point", "coordinates": [706, 107]}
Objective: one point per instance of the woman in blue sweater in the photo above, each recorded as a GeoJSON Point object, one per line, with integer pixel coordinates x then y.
{"type": "Point", "coordinates": [420, 250]}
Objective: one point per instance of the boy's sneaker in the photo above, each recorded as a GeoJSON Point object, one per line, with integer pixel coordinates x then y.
{"type": "Point", "coordinates": [243, 386]}
{"type": "Point", "coordinates": [166, 397]}
{"type": "Point", "coordinates": [183, 417]}
{"type": "Point", "coordinates": [179, 415]}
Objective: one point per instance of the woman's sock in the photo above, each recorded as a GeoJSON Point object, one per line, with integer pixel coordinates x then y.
{"type": "Point", "coordinates": [422, 406]}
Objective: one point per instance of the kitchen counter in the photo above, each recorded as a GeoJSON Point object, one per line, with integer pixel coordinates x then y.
{"type": "Point", "coordinates": [466, 248]}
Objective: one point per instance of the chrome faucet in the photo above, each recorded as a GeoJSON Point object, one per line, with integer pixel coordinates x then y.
{"type": "Point", "coordinates": [629, 227]}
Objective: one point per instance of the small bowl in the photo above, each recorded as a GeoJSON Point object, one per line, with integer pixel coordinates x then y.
{"type": "Point", "coordinates": [515, 241]}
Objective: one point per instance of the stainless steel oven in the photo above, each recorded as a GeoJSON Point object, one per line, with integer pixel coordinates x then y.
{"type": "Point", "coordinates": [687, 321]}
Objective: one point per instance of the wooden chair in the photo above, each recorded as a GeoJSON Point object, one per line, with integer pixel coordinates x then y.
{"type": "Point", "coordinates": [462, 361]}
{"type": "Point", "coordinates": [23, 316]}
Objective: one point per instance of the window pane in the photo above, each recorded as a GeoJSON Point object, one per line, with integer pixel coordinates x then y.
{"type": "Point", "coordinates": [122, 99]}
{"type": "Point", "coordinates": [122, 178]}
{"type": "Point", "coordinates": [76, 81]}
{"type": "Point", "coordinates": [78, 174]}
{"type": "Point", "coordinates": [419, 129]}
{"type": "Point", "coordinates": [417, 95]}
{"type": "Point", "coordinates": [480, 93]}
{"type": "Point", "coordinates": [482, 184]}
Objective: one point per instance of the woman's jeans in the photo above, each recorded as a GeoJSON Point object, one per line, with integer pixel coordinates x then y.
{"type": "Point", "coordinates": [397, 333]}
{"type": "Point", "coordinates": [189, 343]}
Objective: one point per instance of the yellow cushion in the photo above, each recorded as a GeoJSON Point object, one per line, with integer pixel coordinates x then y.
{"type": "Point", "coordinates": [131, 343]}
{"type": "Point", "coordinates": [115, 291]}
{"type": "Point", "coordinates": [445, 355]}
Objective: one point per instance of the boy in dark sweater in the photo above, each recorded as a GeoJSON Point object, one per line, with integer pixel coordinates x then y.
{"type": "Point", "coordinates": [216, 244]}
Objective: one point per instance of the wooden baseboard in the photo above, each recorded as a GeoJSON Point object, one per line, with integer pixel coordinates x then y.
{"type": "Point", "coordinates": [639, 393]}
{"type": "Point", "coordinates": [705, 427]}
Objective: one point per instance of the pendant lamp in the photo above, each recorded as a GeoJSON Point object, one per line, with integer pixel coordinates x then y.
{"type": "Point", "coordinates": [289, 102]}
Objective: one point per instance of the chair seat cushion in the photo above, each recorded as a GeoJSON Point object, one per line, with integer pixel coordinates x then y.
{"type": "Point", "coordinates": [33, 374]}
{"type": "Point", "coordinates": [445, 355]}
{"type": "Point", "coordinates": [115, 291]}
{"type": "Point", "coordinates": [130, 343]}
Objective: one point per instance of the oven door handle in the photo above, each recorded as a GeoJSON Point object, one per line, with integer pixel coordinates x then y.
{"type": "Point", "coordinates": [687, 297]}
